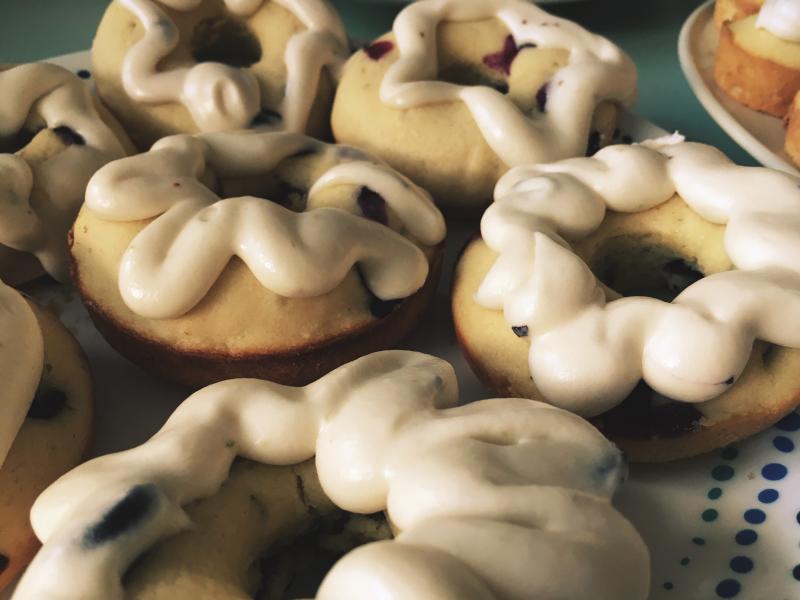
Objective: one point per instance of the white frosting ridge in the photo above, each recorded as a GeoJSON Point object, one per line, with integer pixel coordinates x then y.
{"type": "Point", "coordinates": [62, 100]}
{"type": "Point", "coordinates": [220, 97]}
{"type": "Point", "coordinates": [597, 70]}
{"type": "Point", "coordinates": [21, 362]}
{"type": "Point", "coordinates": [504, 498]}
{"type": "Point", "coordinates": [781, 18]}
{"type": "Point", "coordinates": [587, 354]}
{"type": "Point", "coordinates": [173, 262]}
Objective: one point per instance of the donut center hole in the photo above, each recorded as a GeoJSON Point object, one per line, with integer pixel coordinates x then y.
{"type": "Point", "coordinates": [637, 266]}
{"type": "Point", "coordinates": [296, 570]}
{"type": "Point", "coordinates": [225, 40]}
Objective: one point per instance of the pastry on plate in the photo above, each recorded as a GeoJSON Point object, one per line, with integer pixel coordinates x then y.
{"type": "Point", "coordinates": [652, 287]}
{"type": "Point", "coordinates": [461, 90]}
{"type": "Point", "coordinates": [267, 255]}
{"type": "Point", "coordinates": [45, 418]}
{"type": "Point", "coordinates": [503, 498]}
{"type": "Point", "coordinates": [169, 66]}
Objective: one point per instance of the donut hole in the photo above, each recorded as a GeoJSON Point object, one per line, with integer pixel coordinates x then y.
{"type": "Point", "coordinates": [225, 40]}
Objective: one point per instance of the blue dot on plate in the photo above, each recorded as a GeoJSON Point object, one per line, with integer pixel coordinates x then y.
{"type": "Point", "coordinates": [790, 422]}
{"type": "Point", "coordinates": [728, 588]}
{"type": "Point", "coordinates": [684, 561]}
{"type": "Point", "coordinates": [698, 541]}
{"type": "Point", "coordinates": [668, 585]}
{"type": "Point", "coordinates": [741, 564]}
{"type": "Point", "coordinates": [774, 471]}
{"type": "Point", "coordinates": [709, 515]}
{"type": "Point", "coordinates": [730, 452]}
{"type": "Point", "coordinates": [756, 516]}
{"type": "Point", "coordinates": [746, 537]}
{"type": "Point", "coordinates": [783, 443]}
{"type": "Point", "coordinates": [796, 572]}
{"type": "Point", "coordinates": [722, 472]}
{"type": "Point", "coordinates": [84, 74]}
{"type": "Point", "coordinates": [768, 496]}
{"type": "Point", "coordinates": [714, 493]}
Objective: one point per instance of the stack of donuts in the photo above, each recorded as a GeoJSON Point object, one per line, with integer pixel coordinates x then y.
{"type": "Point", "coordinates": [251, 210]}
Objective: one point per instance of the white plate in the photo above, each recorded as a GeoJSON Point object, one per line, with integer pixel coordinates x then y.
{"type": "Point", "coordinates": [761, 135]}
{"type": "Point", "coordinates": [666, 503]}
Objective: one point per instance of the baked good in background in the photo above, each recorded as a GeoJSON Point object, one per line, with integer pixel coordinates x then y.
{"type": "Point", "coordinates": [267, 255]}
{"type": "Point", "coordinates": [175, 66]}
{"type": "Point", "coordinates": [503, 498]}
{"type": "Point", "coordinates": [46, 414]}
{"type": "Point", "coordinates": [53, 136]}
{"type": "Point", "coordinates": [461, 90]}
{"type": "Point", "coordinates": [651, 287]}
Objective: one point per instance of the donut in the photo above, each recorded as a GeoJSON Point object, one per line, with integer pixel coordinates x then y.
{"type": "Point", "coordinates": [629, 288]}
{"type": "Point", "coordinates": [46, 422]}
{"type": "Point", "coordinates": [168, 67]}
{"type": "Point", "coordinates": [733, 10]}
{"type": "Point", "coordinates": [758, 58]}
{"type": "Point", "coordinates": [792, 142]}
{"type": "Point", "coordinates": [246, 254]}
{"type": "Point", "coordinates": [53, 136]}
{"type": "Point", "coordinates": [503, 498]}
{"type": "Point", "coordinates": [461, 90]}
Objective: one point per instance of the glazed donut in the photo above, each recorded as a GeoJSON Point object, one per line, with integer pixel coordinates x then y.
{"type": "Point", "coordinates": [461, 90]}
{"type": "Point", "coordinates": [53, 136]}
{"type": "Point", "coordinates": [45, 418]}
{"type": "Point", "coordinates": [758, 58]}
{"type": "Point", "coordinates": [496, 499]}
{"type": "Point", "coordinates": [184, 66]}
{"type": "Point", "coordinates": [191, 276]}
{"type": "Point", "coordinates": [665, 219]}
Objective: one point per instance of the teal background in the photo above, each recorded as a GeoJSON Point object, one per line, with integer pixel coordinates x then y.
{"type": "Point", "coordinates": [646, 29]}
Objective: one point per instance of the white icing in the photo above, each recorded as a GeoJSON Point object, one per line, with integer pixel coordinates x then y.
{"type": "Point", "coordinates": [21, 361]}
{"type": "Point", "coordinates": [220, 97]}
{"type": "Point", "coordinates": [781, 18]}
{"type": "Point", "coordinates": [173, 262]}
{"type": "Point", "coordinates": [60, 99]}
{"type": "Point", "coordinates": [597, 70]}
{"type": "Point", "coordinates": [504, 498]}
{"type": "Point", "coordinates": [587, 354]}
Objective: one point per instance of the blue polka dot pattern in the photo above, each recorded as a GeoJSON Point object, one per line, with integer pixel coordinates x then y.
{"type": "Point", "coordinates": [722, 472]}
{"type": "Point", "coordinates": [746, 537]}
{"type": "Point", "coordinates": [709, 515]}
{"type": "Point", "coordinates": [668, 585]}
{"type": "Point", "coordinates": [730, 453]}
{"type": "Point", "coordinates": [783, 443]}
{"type": "Point", "coordinates": [796, 572]}
{"type": "Point", "coordinates": [714, 493]}
{"type": "Point", "coordinates": [698, 541]}
{"type": "Point", "coordinates": [728, 588]}
{"type": "Point", "coordinates": [685, 561]}
{"type": "Point", "coordinates": [756, 516]}
{"type": "Point", "coordinates": [790, 422]}
{"type": "Point", "coordinates": [774, 472]}
{"type": "Point", "coordinates": [84, 74]}
{"type": "Point", "coordinates": [741, 564]}
{"type": "Point", "coordinates": [768, 496]}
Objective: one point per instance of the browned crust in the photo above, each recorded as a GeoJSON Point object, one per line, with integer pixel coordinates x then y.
{"type": "Point", "coordinates": [296, 367]}
{"type": "Point", "coordinates": [733, 10]}
{"type": "Point", "coordinates": [792, 143]}
{"type": "Point", "coordinates": [756, 82]}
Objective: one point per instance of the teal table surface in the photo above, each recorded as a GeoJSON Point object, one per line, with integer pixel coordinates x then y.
{"type": "Point", "coordinates": [646, 29]}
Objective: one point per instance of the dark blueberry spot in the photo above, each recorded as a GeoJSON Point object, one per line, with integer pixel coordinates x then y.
{"type": "Point", "coordinates": [796, 572]}
{"type": "Point", "coordinates": [685, 561]}
{"type": "Point", "coordinates": [47, 404]}
{"type": "Point", "coordinates": [746, 537]}
{"type": "Point", "coordinates": [722, 472]}
{"type": "Point", "coordinates": [501, 61]}
{"type": "Point", "coordinates": [790, 422]}
{"type": "Point", "coordinates": [3, 562]}
{"type": "Point", "coordinates": [377, 307]}
{"type": "Point", "coordinates": [521, 331]}
{"type": "Point", "coordinates": [541, 97]}
{"type": "Point", "coordinates": [729, 380]}
{"type": "Point", "coordinates": [783, 443]}
{"type": "Point", "coordinates": [84, 74]}
{"type": "Point", "coordinates": [709, 515]}
{"type": "Point", "coordinates": [774, 472]}
{"type": "Point", "coordinates": [266, 116]}
{"type": "Point", "coordinates": [768, 496]}
{"type": "Point", "coordinates": [593, 145]}
{"type": "Point", "coordinates": [69, 136]}
{"type": "Point", "coordinates": [668, 585]}
{"type": "Point", "coordinates": [728, 588]}
{"type": "Point", "coordinates": [123, 517]}
{"type": "Point", "coordinates": [755, 516]}
{"type": "Point", "coordinates": [730, 452]}
{"type": "Point", "coordinates": [378, 50]}
{"type": "Point", "coordinates": [714, 493]}
{"type": "Point", "coordinates": [698, 541]}
{"type": "Point", "coordinates": [372, 205]}
{"type": "Point", "coordinates": [741, 564]}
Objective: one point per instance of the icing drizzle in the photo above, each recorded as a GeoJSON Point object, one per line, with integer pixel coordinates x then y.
{"type": "Point", "coordinates": [64, 102]}
{"type": "Point", "coordinates": [781, 18]}
{"type": "Point", "coordinates": [173, 262]}
{"type": "Point", "coordinates": [498, 499]}
{"type": "Point", "coordinates": [587, 354]}
{"type": "Point", "coordinates": [597, 70]}
{"type": "Point", "coordinates": [21, 361]}
{"type": "Point", "coordinates": [220, 97]}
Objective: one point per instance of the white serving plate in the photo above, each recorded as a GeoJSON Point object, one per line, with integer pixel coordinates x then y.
{"type": "Point", "coordinates": [761, 135]}
{"type": "Point", "coordinates": [666, 503]}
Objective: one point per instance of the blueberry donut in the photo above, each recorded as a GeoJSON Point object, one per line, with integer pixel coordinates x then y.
{"type": "Point", "coordinates": [184, 66]}
{"type": "Point", "coordinates": [504, 498]}
{"type": "Point", "coordinates": [45, 418]}
{"type": "Point", "coordinates": [653, 288]}
{"type": "Point", "coordinates": [53, 136]}
{"type": "Point", "coordinates": [461, 90]}
{"type": "Point", "coordinates": [254, 255]}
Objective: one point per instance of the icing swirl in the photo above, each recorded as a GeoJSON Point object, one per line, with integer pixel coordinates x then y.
{"type": "Point", "coordinates": [63, 101]}
{"type": "Point", "coordinates": [220, 97]}
{"type": "Point", "coordinates": [173, 262]}
{"type": "Point", "coordinates": [504, 498]}
{"type": "Point", "coordinates": [781, 18]}
{"type": "Point", "coordinates": [587, 354]}
{"type": "Point", "coordinates": [21, 361]}
{"type": "Point", "coordinates": [597, 70]}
